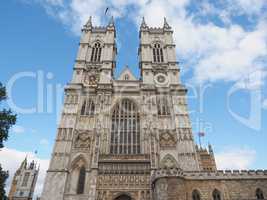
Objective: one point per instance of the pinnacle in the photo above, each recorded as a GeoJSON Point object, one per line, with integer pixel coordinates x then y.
{"type": "Point", "coordinates": [166, 25]}
{"type": "Point", "coordinates": [143, 24]}
{"type": "Point", "coordinates": [111, 22]}
{"type": "Point", "coordinates": [89, 22]}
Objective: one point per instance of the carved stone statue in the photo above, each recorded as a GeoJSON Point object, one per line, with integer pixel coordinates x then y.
{"type": "Point", "coordinates": [82, 140]}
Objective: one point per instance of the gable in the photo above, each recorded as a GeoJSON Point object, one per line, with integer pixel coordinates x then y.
{"type": "Point", "coordinates": [127, 75]}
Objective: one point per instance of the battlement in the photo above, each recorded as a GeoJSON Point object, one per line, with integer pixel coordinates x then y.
{"type": "Point", "coordinates": [216, 175]}
{"type": "Point", "coordinates": [228, 174]}
{"type": "Point", "coordinates": [166, 27]}
{"type": "Point", "coordinates": [89, 27]}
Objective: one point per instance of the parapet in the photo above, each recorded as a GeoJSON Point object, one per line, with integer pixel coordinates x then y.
{"type": "Point", "coordinates": [227, 174]}
{"type": "Point", "coordinates": [216, 175]}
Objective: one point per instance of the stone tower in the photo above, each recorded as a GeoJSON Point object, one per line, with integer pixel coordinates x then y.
{"type": "Point", "coordinates": [160, 75]}
{"type": "Point", "coordinates": [24, 181]}
{"type": "Point", "coordinates": [115, 133]}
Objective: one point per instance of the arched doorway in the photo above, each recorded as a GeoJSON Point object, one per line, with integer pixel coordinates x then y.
{"type": "Point", "coordinates": [123, 197]}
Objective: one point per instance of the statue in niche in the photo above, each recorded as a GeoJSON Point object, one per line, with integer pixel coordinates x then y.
{"type": "Point", "coordinates": [82, 140]}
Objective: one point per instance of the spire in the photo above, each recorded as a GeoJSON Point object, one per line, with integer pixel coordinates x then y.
{"type": "Point", "coordinates": [143, 24]}
{"type": "Point", "coordinates": [210, 149]}
{"type": "Point", "coordinates": [111, 22]}
{"type": "Point", "coordinates": [166, 25]}
{"type": "Point", "coordinates": [89, 22]}
{"type": "Point", "coordinates": [32, 165]}
{"type": "Point", "coordinates": [24, 163]}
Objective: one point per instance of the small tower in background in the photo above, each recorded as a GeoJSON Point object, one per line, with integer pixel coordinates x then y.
{"type": "Point", "coordinates": [24, 181]}
{"type": "Point", "coordinates": [206, 158]}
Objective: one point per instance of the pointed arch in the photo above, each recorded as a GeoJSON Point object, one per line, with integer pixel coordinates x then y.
{"type": "Point", "coordinates": [168, 161]}
{"type": "Point", "coordinates": [96, 52]}
{"type": "Point", "coordinates": [123, 196]}
{"type": "Point", "coordinates": [259, 194]}
{"type": "Point", "coordinates": [78, 161]}
{"type": "Point", "coordinates": [125, 128]}
{"type": "Point", "coordinates": [216, 195]}
{"type": "Point", "coordinates": [196, 195]}
{"type": "Point", "coordinates": [158, 53]}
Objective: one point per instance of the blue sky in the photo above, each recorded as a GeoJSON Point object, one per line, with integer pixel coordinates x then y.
{"type": "Point", "coordinates": [221, 46]}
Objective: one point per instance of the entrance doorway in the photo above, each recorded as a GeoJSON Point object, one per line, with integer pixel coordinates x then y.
{"type": "Point", "coordinates": [123, 197]}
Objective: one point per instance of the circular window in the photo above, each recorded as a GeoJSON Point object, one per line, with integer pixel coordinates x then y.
{"type": "Point", "coordinates": [161, 79]}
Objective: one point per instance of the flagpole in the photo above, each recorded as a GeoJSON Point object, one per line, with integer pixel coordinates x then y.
{"type": "Point", "coordinates": [199, 137]}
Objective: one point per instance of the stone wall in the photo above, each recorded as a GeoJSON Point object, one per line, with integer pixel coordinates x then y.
{"type": "Point", "coordinates": [233, 185]}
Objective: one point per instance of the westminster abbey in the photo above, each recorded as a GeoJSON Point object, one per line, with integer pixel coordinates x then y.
{"type": "Point", "coordinates": [131, 139]}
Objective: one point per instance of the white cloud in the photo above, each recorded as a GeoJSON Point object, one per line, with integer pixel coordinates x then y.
{"type": "Point", "coordinates": [235, 158]}
{"type": "Point", "coordinates": [227, 52]}
{"type": "Point", "coordinates": [250, 7]}
{"type": "Point", "coordinates": [44, 142]}
{"type": "Point", "coordinates": [18, 129]}
{"type": "Point", "coordinates": [11, 159]}
{"type": "Point", "coordinates": [264, 104]}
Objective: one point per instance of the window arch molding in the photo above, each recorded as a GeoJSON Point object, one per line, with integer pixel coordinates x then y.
{"type": "Point", "coordinates": [216, 194]}
{"type": "Point", "coordinates": [120, 99]}
{"type": "Point", "coordinates": [157, 51]}
{"type": "Point", "coordinates": [168, 161]}
{"type": "Point", "coordinates": [78, 161]}
{"type": "Point", "coordinates": [123, 194]}
{"type": "Point", "coordinates": [96, 51]}
{"type": "Point", "coordinates": [196, 194]}
{"type": "Point", "coordinates": [125, 127]}
{"type": "Point", "coordinates": [259, 194]}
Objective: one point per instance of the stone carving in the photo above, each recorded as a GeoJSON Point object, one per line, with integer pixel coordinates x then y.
{"type": "Point", "coordinates": [113, 181]}
{"type": "Point", "coordinates": [92, 76]}
{"type": "Point", "coordinates": [82, 140]}
{"type": "Point", "coordinates": [167, 140]}
{"type": "Point", "coordinates": [91, 80]}
{"type": "Point", "coordinates": [168, 162]}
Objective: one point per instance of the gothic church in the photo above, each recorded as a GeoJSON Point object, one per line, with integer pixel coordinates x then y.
{"type": "Point", "coordinates": [131, 139]}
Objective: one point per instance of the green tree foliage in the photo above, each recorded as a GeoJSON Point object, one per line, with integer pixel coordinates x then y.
{"type": "Point", "coordinates": [3, 178]}
{"type": "Point", "coordinates": [7, 119]}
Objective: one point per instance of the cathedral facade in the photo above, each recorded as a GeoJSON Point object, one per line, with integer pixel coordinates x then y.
{"type": "Point", "coordinates": [131, 139]}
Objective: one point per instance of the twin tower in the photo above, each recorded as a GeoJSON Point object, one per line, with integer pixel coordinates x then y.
{"type": "Point", "coordinates": [131, 139]}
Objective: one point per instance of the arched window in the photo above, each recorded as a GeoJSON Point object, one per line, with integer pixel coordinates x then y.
{"type": "Point", "coordinates": [123, 197]}
{"type": "Point", "coordinates": [96, 52]}
{"type": "Point", "coordinates": [157, 53]}
{"type": "Point", "coordinates": [216, 195]}
{"type": "Point", "coordinates": [125, 130]}
{"type": "Point", "coordinates": [81, 181]}
{"type": "Point", "coordinates": [195, 195]}
{"type": "Point", "coordinates": [25, 179]}
{"type": "Point", "coordinates": [163, 105]}
{"type": "Point", "coordinates": [259, 194]}
{"type": "Point", "coordinates": [88, 108]}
